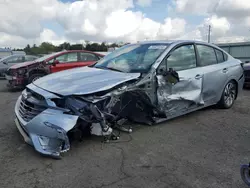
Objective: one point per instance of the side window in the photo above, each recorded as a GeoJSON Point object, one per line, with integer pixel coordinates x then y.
{"type": "Point", "coordinates": [67, 58]}
{"type": "Point", "coordinates": [207, 55]}
{"type": "Point", "coordinates": [225, 56]}
{"type": "Point", "coordinates": [30, 58]}
{"type": "Point", "coordinates": [16, 59]}
{"type": "Point", "coordinates": [219, 55]}
{"type": "Point", "coordinates": [181, 58]}
{"type": "Point", "coordinates": [62, 58]}
{"type": "Point", "coordinates": [87, 57]}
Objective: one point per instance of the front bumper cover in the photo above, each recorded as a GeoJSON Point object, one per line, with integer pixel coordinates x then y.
{"type": "Point", "coordinates": [47, 131]}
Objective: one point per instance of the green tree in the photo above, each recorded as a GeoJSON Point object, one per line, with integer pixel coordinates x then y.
{"type": "Point", "coordinates": [27, 49]}
{"type": "Point", "coordinates": [76, 47]}
{"type": "Point", "coordinates": [46, 48]}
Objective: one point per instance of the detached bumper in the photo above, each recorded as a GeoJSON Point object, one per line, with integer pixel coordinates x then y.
{"type": "Point", "coordinates": [47, 131]}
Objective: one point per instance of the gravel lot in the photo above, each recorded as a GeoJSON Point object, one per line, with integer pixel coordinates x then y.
{"type": "Point", "coordinates": [201, 149]}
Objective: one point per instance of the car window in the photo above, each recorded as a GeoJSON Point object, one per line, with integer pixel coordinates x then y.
{"type": "Point", "coordinates": [67, 58]}
{"type": "Point", "coordinates": [87, 57]}
{"type": "Point", "coordinates": [30, 58]}
{"type": "Point", "coordinates": [207, 55]}
{"type": "Point", "coordinates": [181, 58]}
{"type": "Point", "coordinates": [225, 56]}
{"type": "Point", "coordinates": [16, 59]}
{"type": "Point", "coordinates": [133, 57]}
{"type": "Point", "coordinates": [219, 55]}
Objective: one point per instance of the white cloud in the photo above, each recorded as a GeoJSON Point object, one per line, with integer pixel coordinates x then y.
{"type": "Point", "coordinates": [194, 6]}
{"type": "Point", "coordinates": [172, 28]}
{"type": "Point", "coordinates": [23, 21]}
{"type": "Point", "coordinates": [144, 3]}
{"type": "Point", "coordinates": [220, 26]}
{"type": "Point", "coordinates": [50, 36]}
{"type": "Point", "coordinates": [121, 23]}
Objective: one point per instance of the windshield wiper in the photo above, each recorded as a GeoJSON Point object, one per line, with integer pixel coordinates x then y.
{"type": "Point", "coordinates": [108, 68]}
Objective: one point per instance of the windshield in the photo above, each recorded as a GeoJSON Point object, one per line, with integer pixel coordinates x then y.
{"type": "Point", "coordinates": [132, 58]}
{"type": "Point", "coordinates": [46, 57]}
{"type": "Point", "coordinates": [5, 58]}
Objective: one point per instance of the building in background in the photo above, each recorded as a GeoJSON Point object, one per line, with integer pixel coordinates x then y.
{"type": "Point", "coordinates": [240, 50]}
{"type": "Point", "coordinates": [18, 53]}
{"type": "Point", "coordinates": [5, 52]}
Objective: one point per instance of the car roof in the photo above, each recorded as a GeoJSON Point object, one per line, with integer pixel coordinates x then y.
{"type": "Point", "coordinates": [172, 42]}
{"type": "Point", "coordinates": [65, 51]}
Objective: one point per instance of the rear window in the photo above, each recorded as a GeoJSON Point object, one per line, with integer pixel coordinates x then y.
{"type": "Point", "coordinates": [207, 55]}
{"type": "Point", "coordinates": [225, 56]}
{"type": "Point", "coordinates": [220, 56]}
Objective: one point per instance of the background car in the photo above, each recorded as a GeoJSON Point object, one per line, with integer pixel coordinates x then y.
{"type": "Point", "coordinates": [21, 74]}
{"type": "Point", "coordinates": [247, 74]}
{"type": "Point", "coordinates": [9, 61]}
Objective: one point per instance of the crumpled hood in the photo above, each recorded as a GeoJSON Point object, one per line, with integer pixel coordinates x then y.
{"type": "Point", "coordinates": [81, 81]}
{"type": "Point", "coordinates": [24, 64]}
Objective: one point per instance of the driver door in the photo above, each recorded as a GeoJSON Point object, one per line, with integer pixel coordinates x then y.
{"type": "Point", "coordinates": [66, 61]}
{"type": "Point", "coordinates": [176, 98]}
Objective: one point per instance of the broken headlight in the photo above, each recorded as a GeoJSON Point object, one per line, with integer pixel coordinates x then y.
{"type": "Point", "coordinates": [76, 105]}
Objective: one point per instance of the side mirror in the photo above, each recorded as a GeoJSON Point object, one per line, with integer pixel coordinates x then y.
{"type": "Point", "coordinates": [5, 63]}
{"type": "Point", "coordinates": [55, 62]}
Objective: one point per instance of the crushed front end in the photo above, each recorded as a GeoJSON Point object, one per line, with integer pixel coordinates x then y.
{"type": "Point", "coordinates": [47, 120]}
{"type": "Point", "coordinates": [42, 125]}
{"type": "Point", "coordinates": [16, 78]}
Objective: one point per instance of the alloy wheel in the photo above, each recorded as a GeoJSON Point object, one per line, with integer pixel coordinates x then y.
{"type": "Point", "coordinates": [230, 93]}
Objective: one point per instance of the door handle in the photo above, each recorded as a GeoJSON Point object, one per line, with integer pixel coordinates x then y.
{"type": "Point", "coordinates": [198, 76]}
{"type": "Point", "coordinates": [225, 70]}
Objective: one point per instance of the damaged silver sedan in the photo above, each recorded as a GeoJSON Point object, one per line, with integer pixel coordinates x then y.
{"type": "Point", "coordinates": [146, 82]}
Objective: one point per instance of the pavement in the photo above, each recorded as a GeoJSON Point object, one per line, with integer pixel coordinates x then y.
{"type": "Point", "coordinates": [201, 149]}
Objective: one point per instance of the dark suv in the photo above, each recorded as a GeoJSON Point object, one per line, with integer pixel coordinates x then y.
{"type": "Point", "coordinates": [22, 74]}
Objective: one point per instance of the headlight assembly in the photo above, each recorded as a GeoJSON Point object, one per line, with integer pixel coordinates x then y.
{"type": "Point", "coordinates": [21, 71]}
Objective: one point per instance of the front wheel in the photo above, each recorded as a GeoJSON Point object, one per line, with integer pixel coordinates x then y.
{"type": "Point", "coordinates": [34, 77]}
{"type": "Point", "coordinates": [245, 174]}
{"type": "Point", "coordinates": [229, 95]}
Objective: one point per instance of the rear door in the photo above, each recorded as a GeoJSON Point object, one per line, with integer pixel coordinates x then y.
{"type": "Point", "coordinates": [66, 61]}
{"type": "Point", "coordinates": [215, 74]}
{"type": "Point", "coordinates": [86, 59]}
{"type": "Point", "coordinates": [175, 99]}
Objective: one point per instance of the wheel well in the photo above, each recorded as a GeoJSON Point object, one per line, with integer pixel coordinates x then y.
{"type": "Point", "coordinates": [236, 83]}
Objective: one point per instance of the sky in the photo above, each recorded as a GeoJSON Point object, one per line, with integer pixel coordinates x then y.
{"type": "Point", "coordinates": [76, 21]}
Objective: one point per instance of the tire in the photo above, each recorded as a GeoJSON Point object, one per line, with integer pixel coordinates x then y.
{"type": "Point", "coordinates": [245, 174]}
{"type": "Point", "coordinates": [34, 77]}
{"type": "Point", "coordinates": [228, 95]}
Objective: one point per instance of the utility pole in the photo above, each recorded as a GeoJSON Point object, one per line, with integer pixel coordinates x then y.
{"type": "Point", "coordinates": [209, 33]}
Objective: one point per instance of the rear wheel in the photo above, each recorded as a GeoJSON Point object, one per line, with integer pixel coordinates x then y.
{"type": "Point", "coordinates": [228, 96]}
{"type": "Point", "coordinates": [34, 77]}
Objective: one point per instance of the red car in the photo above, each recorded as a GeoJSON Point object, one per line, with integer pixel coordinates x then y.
{"type": "Point", "coordinates": [22, 74]}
